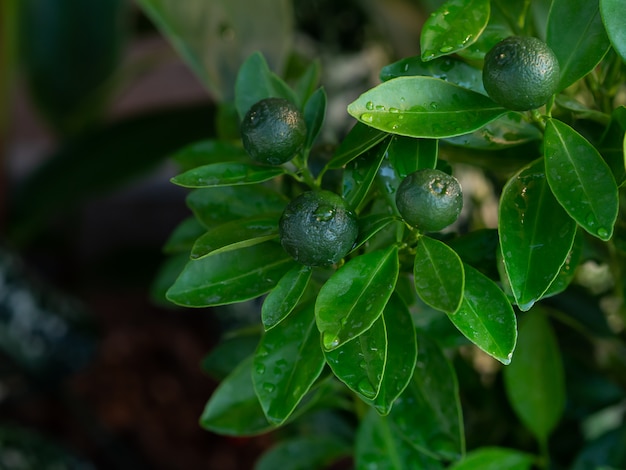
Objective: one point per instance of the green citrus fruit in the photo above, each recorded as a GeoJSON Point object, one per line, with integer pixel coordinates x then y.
{"type": "Point", "coordinates": [273, 131]}
{"type": "Point", "coordinates": [429, 200]}
{"type": "Point", "coordinates": [317, 228]}
{"type": "Point", "coordinates": [521, 73]}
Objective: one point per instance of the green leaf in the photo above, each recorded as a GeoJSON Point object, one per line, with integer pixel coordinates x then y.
{"type": "Point", "coordinates": [496, 30]}
{"type": "Point", "coordinates": [218, 205]}
{"type": "Point", "coordinates": [370, 225]}
{"type": "Point", "coordinates": [359, 140]}
{"type": "Point", "coordinates": [486, 317]}
{"type": "Point", "coordinates": [453, 27]}
{"type": "Point", "coordinates": [428, 413]}
{"type": "Point", "coordinates": [568, 270]}
{"type": "Point", "coordinates": [281, 301]}
{"type": "Point", "coordinates": [165, 276]}
{"type": "Point", "coordinates": [183, 237]}
{"type": "Point", "coordinates": [355, 295]}
{"type": "Point", "coordinates": [424, 107]}
{"type": "Point", "coordinates": [231, 276]}
{"type": "Point", "coordinates": [208, 151]}
{"type": "Point", "coordinates": [438, 275]}
{"type": "Point", "coordinates": [234, 408]}
{"type": "Point", "coordinates": [360, 173]}
{"type": "Point", "coordinates": [380, 446]}
{"type": "Point", "coordinates": [408, 155]}
{"type": "Point", "coordinates": [495, 458]}
{"type": "Point", "coordinates": [308, 82]}
{"type": "Point", "coordinates": [536, 234]}
{"type": "Point", "coordinates": [314, 114]}
{"type": "Point", "coordinates": [577, 37]}
{"type": "Point", "coordinates": [612, 12]}
{"type": "Point", "coordinates": [612, 144]}
{"type": "Point", "coordinates": [230, 352]}
{"type": "Point", "coordinates": [580, 179]}
{"type": "Point", "coordinates": [235, 235]}
{"type": "Point", "coordinates": [303, 452]}
{"type": "Point", "coordinates": [534, 381]}
{"type": "Point", "coordinates": [286, 363]}
{"type": "Point", "coordinates": [226, 174]}
{"type": "Point", "coordinates": [360, 363]}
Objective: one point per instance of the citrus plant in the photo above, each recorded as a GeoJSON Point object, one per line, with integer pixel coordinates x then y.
{"type": "Point", "coordinates": [377, 297]}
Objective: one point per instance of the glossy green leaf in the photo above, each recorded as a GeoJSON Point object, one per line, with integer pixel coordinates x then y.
{"type": "Point", "coordinates": [355, 295]}
{"type": "Point", "coordinates": [536, 234]}
{"type": "Point", "coordinates": [438, 275]}
{"type": "Point", "coordinates": [209, 151]}
{"type": "Point", "coordinates": [612, 12]}
{"type": "Point", "coordinates": [534, 381]}
{"type": "Point", "coordinates": [501, 19]}
{"type": "Point", "coordinates": [401, 354]}
{"type": "Point", "coordinates": [308, 82]}
{"type": "Point", "coordinates": [286, 363]}
{"type": "Point", "coordinates": [360, 173]}
{"type": "Point", "coordinates": [213, 206]}
{"type": "Point", "coordinates": [453, 27]}
{"type": "Point", "coordinates": [380, 446]}
{"type": "Point", "coordinates": [165, 276]}
{"type": "Point", "coordinates": [449, 69]}
{"type": "Point", "coordinates": [231, 276]}
{"type": "Point", "coordinates": [370, 225]}
{"type": "Point", "coordinates": [231, 351]}
{"type": "Point", "coordinates": [235, 235]}
{"type": "Point", "coordinates": [360, 363]}
{"type": "Point", "coordinates": [234, 408]}
{"type": "Point", "coordinates": [408, 155]}
{"type": "Point", "coordinates": [281, 301]}
{"type": "Point", "coordinates": [215, 38]}
{"type": "Point", "coordinates": [424, 107]}
{"type": "Point", "coordinates": [226, 174]}
{"type": "Point", "coordinates": [184, 236]}
{"type": "Point", "coordinates": [577, 37]}
{"type": "Point", "coordinates": [360, 139]}
{"type": "Point", "coordinates": [291, 454]}
{"type": "Point", "coordinates": [580, 179]}
{"type": "Point", "coordinates": [495, 458]}
{"type": "Point", "coordinates": [568, 270]}
{"type": "Point", "coordinates": [428, 413]}
{"type": "Point", "coordinates": [314, 114]}
{"type": "Point", "coordinates": [486, 317]}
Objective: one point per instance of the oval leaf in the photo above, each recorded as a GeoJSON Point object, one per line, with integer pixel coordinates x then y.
{"type": "Point", "coordinates": [355, 296]}
{"type": "Point", "coordinates": [314, 113]}
{"type": "Point", "coordinates": [370, 225]}
{"type": "Point", "coordinates": [226, 174]}
{"type": "Point", "coordinates": [285, 296]}
{"type": "Point", "coordinates": [360, 173]}
{"type": "Point", "coordinates": [534, 381]}
{"type": "Point", "coordinates": [486, 317]}
{"type": "Point", "coordinates": [580, 179]}
{"type": "Point", "coordinates": [438, 275]}
{"type": "Point", "coordinates": [316, 451]}
{"type": "Point", "coordinates": [495, 458]}
{"type": "Point", "coordinates": [424, 107]}
{"type": "Point", "coordinates": [453, 27]}
{"type": "Point", "coordinates": [359, 140]}
{"type": "Point", "coordinates": [208, 151]}
{"type": "Point", "coordinates": [408, 155]}
{"type": "Point", "coordinates": [612, 12]}
{"type": "Point", "coordinates": [231, 276]}
{"type": "Point", "coordinates": [536, 234]}
{"type": "Point", "coordinates": [286, 363]}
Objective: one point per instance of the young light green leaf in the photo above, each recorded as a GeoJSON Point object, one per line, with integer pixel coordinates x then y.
{"type": "Point", "coordinates": [486, 317]}
{"type": "Point", "coordinates": [316, 451]}
{"type": "Point", "coordinates": [226, 174]}
{"type": "Point", "coordinates": [286, 363]}
{"type": "Point", "coordinates": [577, 37]}
{"type": "Point", "coordinates": [536, 234]}
{"type": "Point", "coordinates": [438, 275]}
{"type": "Point", "coordinates": [534, 381]}
{"type": "Point", "coordinates": [236, 234]}
{"type": "Point", "coordinates": [408, 155]}
{"type": "Point", "coordinates": [360, 173]}
{"type": "Point", "coordinates": [359, 140]}
{"type": "Point", "coordinates": [453, 27]}
{"type": "Point", "coordinates": [370, 225]}
{"type": "Point", "coordinates": [495, 458]}
{"type": "Point", "coordinates": [360, 363]}
{"type": "Point", "coordinates": [580, 179]}
{"type": "Point", "coordinates": [209, 151]}
{"type": "Point", "coordinates": [424, 107]}
{"type": "Point", "coordinates": [612, 12]}
{"type": "Point", "coordinates": [355, 295]}
{"type": "Point", "coordinates": [314, 114]}
{"type": "Point", "coordinates": [285, 296]}
{"type": "Point", "coordinates": [231, 276]}
{"type": "Point", "coordinates": [428, 413]}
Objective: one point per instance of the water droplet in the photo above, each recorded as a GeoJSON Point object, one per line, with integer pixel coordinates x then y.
{"type": "Point", "coordinates": [591, 220]}
{"type": "Point", "coordinates": [367, 117]}
{"type": "Point", "coordinates": [269, 387]}
{"type": "Point", "coordinates": [369, 105]}
{"type": "Point", "coordinates": [366, 388]}
{"type": "Point", "coordinates": [406, 67]}
{"type": "Point", "coordinates": [324, 213]}
{"type": "Point", "coordinates": [380, 107]}
{"type": "Point", "coordinates": [260, 369]}
{"type": "Point", "coordinates": [445, 49]}
{"type": "Point", "coordinates": [402, 99]}
{"type": "Point", "coordinates": [395, 126]}
{"type": "Point", "coordinates": [434, 105]}
{"type": "Point", "coordinates": [330, 340]}
{"type": "Point", "coordinates": [394, 110]}
{"type": "Point", "coordinates": [602, 232]}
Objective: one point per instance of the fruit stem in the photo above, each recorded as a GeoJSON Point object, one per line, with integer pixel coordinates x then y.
{"type": "Point", "coordinates": [303, 173]}
{"type": "Point", "coordinates": [538, 119]}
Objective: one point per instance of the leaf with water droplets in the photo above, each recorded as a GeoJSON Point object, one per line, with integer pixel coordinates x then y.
{"type": "Point", "coordinates": [359, 140]}
{"type": "Point", "coordinates": [226, 174]}
{"type": "Point", "coordinates": [286, 363]}
{"type": "Point", "coordinates": [360, 173]}
{"type": "Point", "coordinates": [453, 27]}
{"type": "Point", "coordinates": [424, 107]}
{"type": "Point", "coordinates": [281, 300]}
{"type": "Point", "coordinates": [536, 234]}
{"type": "Point", "coordinates": [580, 179]}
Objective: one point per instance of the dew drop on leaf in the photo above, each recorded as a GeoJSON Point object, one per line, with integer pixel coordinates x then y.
{"type": "Point", "coordinates": [366, 388]}
{"type": "Point", "coordinates": [260, 369]}
{"type": "Point", "coordinates": [269, 387]}
{"type": "Point", "coordinates": [602, 232]}
{"type": "Point", "coordinates": [369, 105]}
{"type": "Point", "coordinates": [330, 340]}
{"type": "Point", "coordinates": [367, 117]}
{"type": "Point", "coordinates": [445, 49]}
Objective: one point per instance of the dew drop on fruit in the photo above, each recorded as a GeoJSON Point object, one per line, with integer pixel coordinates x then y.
{"type": "Point", "coordinates": [367, 117]}
{"type": "Point", "coordinates": [366, 388]}
{"type": "Point", "coordinates": [324, 213]}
